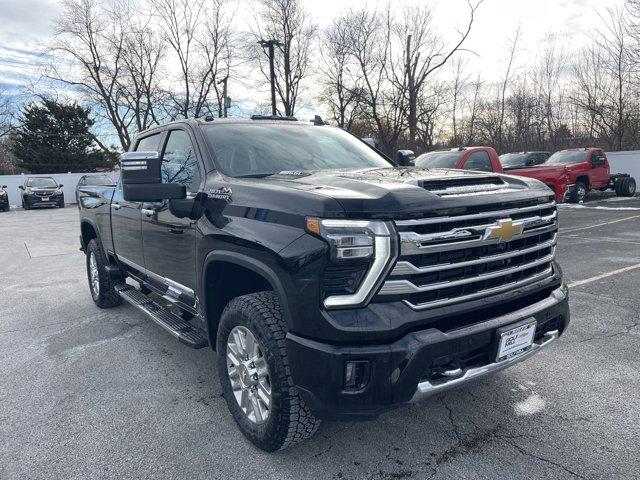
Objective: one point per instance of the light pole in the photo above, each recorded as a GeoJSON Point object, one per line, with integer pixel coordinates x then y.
{"type": "Point", "coordinates": [272, 71]}
{"type": "Point", "coordinates": [224, 95]}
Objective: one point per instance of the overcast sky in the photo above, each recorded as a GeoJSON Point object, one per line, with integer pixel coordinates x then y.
{"type": "Point", "coordinates": [26, 24]}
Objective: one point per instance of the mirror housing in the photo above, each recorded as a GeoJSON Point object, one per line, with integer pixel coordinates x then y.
{"type": "Point", "coordinates": [405, 158]}
{"type": "Point", "coordinates": [60, 186]}
{"type": "Point", "coordinates": [140, 174]}
{"type": "Point", "coordinates": [4, 186]}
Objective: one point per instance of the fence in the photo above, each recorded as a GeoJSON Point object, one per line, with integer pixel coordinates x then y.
{"type": "Point", "coordinates": [69, 180]}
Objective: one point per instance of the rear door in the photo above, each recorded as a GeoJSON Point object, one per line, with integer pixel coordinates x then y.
{"type": "Point", "coordinates": [126, 217]}
{"type": "Point", "coordinates": [170, 242]}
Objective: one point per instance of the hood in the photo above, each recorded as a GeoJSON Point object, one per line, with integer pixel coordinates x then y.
{"type": "Point", "coordinates": [400, 192]}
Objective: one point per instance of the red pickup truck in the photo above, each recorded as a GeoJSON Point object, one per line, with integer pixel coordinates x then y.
{"type": "Point", "coordinates": [569, 173]}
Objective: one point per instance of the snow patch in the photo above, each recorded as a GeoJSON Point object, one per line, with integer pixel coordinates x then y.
{"type": "Point", "coordinates": [533, 404]}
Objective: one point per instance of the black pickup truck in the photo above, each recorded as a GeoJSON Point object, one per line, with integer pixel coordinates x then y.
{"type": "Point", "coordinates": [332, 283]}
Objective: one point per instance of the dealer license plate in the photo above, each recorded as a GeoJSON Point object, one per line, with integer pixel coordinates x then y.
{"type": "Point", "coordinates": [45, 199]}
{"type": "Point", "coordinates": [516, 341]}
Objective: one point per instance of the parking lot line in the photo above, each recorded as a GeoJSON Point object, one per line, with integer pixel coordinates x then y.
{"type": "Point", "coordinates": [603, 275]}
{"type": "Point", "coordinates": [569, 230]}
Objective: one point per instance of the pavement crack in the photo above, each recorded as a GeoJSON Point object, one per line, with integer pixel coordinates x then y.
{"type": "Point", "coordinates": [527, 453]}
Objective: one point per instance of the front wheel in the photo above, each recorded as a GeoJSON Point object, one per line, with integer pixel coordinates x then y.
{"type": "Point", "coordinates": [101, 284]}
{"type": "Point", "coordinates": [580, 192]}
{"type": "Point", "coordinates": [255, 376]}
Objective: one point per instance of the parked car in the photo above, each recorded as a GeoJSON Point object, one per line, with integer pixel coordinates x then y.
{"type": "Point", "coordinates": [4, 199]}
{"type": "Point", "coordinates": [41, 192]}
{"type": "Point", "coordinates": [332, 284]}
{"type": "Point", "coordinates": [484, 159]}
{"type": "Point", "coordinates": [572, 173]}
{"type": "Point", "coordinates": [94, 179]}
{"type": "Point", "coordinates": [513, 161]}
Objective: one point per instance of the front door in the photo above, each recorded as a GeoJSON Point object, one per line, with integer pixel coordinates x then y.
{"type": "Point", "coordinates": [126, 217]}
{"type": "Point", "coordinates": [599, 170]}
{"type": "Point", "coordinates": [170, 242]}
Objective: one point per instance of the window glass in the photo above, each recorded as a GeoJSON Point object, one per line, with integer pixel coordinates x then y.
{"type": "Point", "coordinates": [478, 161]}
{"type": "Point", "coordinates": [261, 149]}
{"type": "Point", "coordinates": [149, 144]}
{"type": "Point", "coordinates": [41, 182]}
{"type": "Point", "coordinates": [179, 162]}
{"type": "Point", "coordinates": [513, 160]}
{"type": "Point", "coordinates": [446, 159]}
{"type": "Point", "coordinates": [568, 157]}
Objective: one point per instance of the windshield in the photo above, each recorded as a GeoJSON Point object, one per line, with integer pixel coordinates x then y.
{"type": "Point", "coordinates": [40, 182]}
{"type": "Point", "coordinates": [439, 159]}
{"type": "Point", "coordinates": [255, 150]}
{"type": "Point", "coordinates": [568, 156]}
{"type": "Point", "coordinates": [98, 180]}
{"type": "Point", "coordinates": [513, 160]}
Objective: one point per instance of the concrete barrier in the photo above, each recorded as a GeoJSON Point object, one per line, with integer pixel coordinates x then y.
{"type": "Point", "coordinates": [69, 180]}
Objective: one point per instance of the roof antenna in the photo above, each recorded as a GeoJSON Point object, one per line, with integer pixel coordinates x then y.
{"type": "Point", "coordinates": [317, 120]}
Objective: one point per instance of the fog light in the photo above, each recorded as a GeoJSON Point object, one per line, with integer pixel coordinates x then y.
{"type": "Point", "coordinates": [356, 374]}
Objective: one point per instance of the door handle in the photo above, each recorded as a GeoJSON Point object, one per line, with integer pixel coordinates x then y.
{"type": "Point", "coordinates": [148, 212]}
{"type": "Point", "coordinates": [176, 229]}
{"type": "Point", "coordinates": [116, 206]}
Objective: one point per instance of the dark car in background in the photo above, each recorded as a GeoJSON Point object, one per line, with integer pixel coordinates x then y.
{"type": "Point", "coordinates": [41, 192]}
{"type": "Point", "coordinates": [512, 161]}
{"type": "Point", "coordinates": [100, 180]}
{"type": "Point", "coordinates": [4, 199]}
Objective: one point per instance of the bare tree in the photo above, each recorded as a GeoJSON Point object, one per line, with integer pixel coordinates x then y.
{"type": "Point", "coordinates": [288, 22]}
{"type": "Point", "coordinates": [199, 34]}
{"type": "Point", "coordinates": [425, 53]}
{"type": "Point", "coordinates": [112, 59]}
{"type": "Point", "coordinates": [341, 88]}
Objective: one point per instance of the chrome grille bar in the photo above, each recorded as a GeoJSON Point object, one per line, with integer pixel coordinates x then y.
{"type": "Point", "coordinates": [409, 246]}
{"type": "Point", "coordinates": [402, 287]}
{"type": "Point", "coordinates": [404, 267]}
{"type": "Point", "coordinates": [474, 216]}
{"type": "Point", "coordinates": [481, 293]}
{"type": "Point", "coordinates": [470, 231]}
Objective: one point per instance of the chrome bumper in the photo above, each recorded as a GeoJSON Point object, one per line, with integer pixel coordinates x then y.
{"type": "Point", "coordinates": [458, 377]}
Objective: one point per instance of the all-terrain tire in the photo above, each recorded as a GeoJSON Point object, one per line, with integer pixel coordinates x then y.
{"type": "Point", "coordinates": [105, 295]}
{"type": "Point", "coordinates": [290, 421]}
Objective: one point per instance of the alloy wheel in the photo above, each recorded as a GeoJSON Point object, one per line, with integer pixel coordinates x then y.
{"type": "Point", "coordinates": [249, 374]}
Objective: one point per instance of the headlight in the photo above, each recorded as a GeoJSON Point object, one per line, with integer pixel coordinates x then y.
{"type": "Point", "coordinates": [373, 241]}
{"type": "Point", "coordinates": [2, 193]}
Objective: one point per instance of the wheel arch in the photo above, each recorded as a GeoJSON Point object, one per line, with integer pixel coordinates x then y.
{"type": "Point", "coordinates": [88, 231]}
{"type": "Point", "coordinates": [584, 179]}
{"type": "Point", "coordinates": [227, 275]}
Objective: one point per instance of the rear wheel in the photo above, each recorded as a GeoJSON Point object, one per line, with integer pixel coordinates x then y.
{"type": "Point", "coordinates": [626, 187]}
{"type": "Point", "coordinates": [580, 192]}
{"type": "Point", "coordinates": [101, 284]}
{"type": "Point", "coordinates": [255, 376]}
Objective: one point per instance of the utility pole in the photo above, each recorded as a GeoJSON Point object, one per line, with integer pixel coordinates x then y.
{"type": "Point", "coordinates": [225, 101]}
{"type": "Point", "coordinates": [272, 71]}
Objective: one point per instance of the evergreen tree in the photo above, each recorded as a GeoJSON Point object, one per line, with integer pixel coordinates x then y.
{"type": "Point", "coordinates": [56, 138]}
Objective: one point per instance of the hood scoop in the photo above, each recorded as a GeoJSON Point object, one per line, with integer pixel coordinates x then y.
{"type": "Point", "coordinates": [466, 186]}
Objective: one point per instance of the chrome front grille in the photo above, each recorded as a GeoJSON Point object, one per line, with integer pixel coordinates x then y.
{"type": "Point", "coordinates": [450, 259]}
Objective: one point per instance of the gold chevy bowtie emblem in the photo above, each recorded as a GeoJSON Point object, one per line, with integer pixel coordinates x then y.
{"type": "Point", "coordinates": [504, 231]}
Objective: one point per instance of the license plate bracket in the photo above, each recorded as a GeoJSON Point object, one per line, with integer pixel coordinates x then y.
{"type": "Point", "coordinates": [514, 340]}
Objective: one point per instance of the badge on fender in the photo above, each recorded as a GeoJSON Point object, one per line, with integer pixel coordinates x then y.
{"type": "Point", "coordinates": [222, 193]}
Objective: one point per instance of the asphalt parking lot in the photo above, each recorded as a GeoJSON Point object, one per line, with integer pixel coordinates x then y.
{"type": "Point", "coordinates": [90, 393]}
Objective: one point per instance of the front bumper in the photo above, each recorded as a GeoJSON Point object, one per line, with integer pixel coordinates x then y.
{"type": "Point", "coordinates": [415, 366]}
{"type": "Point", "coordinates": [36, 201]}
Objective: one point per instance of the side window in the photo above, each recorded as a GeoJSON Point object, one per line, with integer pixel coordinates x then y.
{"type": "Point", "coordinates": [149, 144]}
{"type": "Point", "coordinates": [179, 162]}
{"type": "Point", "coordinates": [478, 161]}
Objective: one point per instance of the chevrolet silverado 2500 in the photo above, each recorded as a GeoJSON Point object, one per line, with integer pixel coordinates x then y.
{"type": "Point", "coordinates": [332, 283]}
